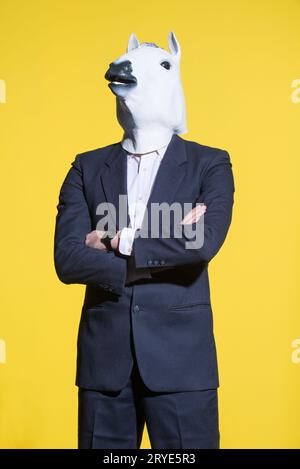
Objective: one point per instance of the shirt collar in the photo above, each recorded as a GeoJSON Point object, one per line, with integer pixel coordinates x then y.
{"type": "Point", "coordinates": [160, 152]}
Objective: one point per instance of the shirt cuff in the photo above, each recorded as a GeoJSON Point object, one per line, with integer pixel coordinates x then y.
{"type": "Point", "coordinates": [126, 241]}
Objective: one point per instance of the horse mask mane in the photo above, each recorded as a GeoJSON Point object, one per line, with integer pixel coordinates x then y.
{"type": "Point", "coordinates": [150, 102]}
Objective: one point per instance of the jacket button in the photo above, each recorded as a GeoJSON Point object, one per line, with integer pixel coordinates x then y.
{"type": "Point", "coordinates": [150, 262]}
{"type": "Point", "coordinates": [136, 309]}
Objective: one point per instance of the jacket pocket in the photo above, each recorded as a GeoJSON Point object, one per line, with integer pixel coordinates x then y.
{"type": "Point", "coordinates": [91, 308]}
{"type": "Point", "coordinates": [190, 306]}
{"type": "Point", "coordinates": [90, 311]}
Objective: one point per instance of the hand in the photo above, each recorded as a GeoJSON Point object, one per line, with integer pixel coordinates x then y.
{"type": "Point", "coordinates": [194, 215]}
{"type": "Point", "coordinates": [92, 240]}
{"type": "Point", "coordinates": [115, 241]}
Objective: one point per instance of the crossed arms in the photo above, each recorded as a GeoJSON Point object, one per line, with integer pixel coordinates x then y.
{"type": "Point", "coordinates": [80, 257]}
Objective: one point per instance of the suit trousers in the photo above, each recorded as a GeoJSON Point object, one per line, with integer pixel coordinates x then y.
{"type": "Point", "coordinates": [174, 420]}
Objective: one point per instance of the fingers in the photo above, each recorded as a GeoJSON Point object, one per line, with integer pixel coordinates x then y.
{"type": "Point", "coordinates": [115, 241]}
{"type": "Point", "coordinates": [98, 233]}
{"type": "Point", "coordinates": [92, 240]}
{"type": "Point", "coordinates": [88, 239]}
{"type": "Point", "coordinates": [199, 211]}
{"type": "Point", "coordinates": [194, 215]}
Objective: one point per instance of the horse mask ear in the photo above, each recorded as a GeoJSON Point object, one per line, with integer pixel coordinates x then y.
{"type": "Point", "coordinates": [174, 46]}
{"type": "Point", "coordinates": [133, 42]}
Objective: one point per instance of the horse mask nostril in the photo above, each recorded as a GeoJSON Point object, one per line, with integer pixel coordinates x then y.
{"type": "Point", "coordinates": [120, 72]}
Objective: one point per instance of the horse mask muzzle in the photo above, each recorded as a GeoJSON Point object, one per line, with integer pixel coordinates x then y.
{"type": "Point", "coordinates": [120, 75]}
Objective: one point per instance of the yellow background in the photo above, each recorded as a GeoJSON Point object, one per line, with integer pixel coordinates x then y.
{"type": "Point", "coordinates": [239, 59]}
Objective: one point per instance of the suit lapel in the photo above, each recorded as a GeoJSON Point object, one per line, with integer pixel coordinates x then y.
{"type": "Point", "coordinates": [114, 182]}
{"type": "Point", "coordinates": [170, 174]}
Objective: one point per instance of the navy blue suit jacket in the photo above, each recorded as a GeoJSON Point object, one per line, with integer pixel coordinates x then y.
{"type": "Point", "coordinates": [171, 313]}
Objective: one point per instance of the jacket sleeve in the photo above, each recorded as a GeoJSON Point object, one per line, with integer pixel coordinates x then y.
{"type": "Point", "coordinates": [217, 193]}
{"type": "Point", "coordinates": [74, 261]}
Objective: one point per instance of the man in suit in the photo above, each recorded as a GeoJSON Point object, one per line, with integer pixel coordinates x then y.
{"type": "Point", "coordinates": [146, 349]}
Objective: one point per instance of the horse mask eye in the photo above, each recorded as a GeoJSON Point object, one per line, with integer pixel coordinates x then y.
{"type": "Point", "coordinates": [166, 64]}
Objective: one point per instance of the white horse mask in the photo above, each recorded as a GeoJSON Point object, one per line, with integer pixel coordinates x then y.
{"type": "Point", "coordinates": [149, 95]}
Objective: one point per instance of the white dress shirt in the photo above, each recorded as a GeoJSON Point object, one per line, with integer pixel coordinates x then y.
{"type": "Point", "coordinates": [141, 173]}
